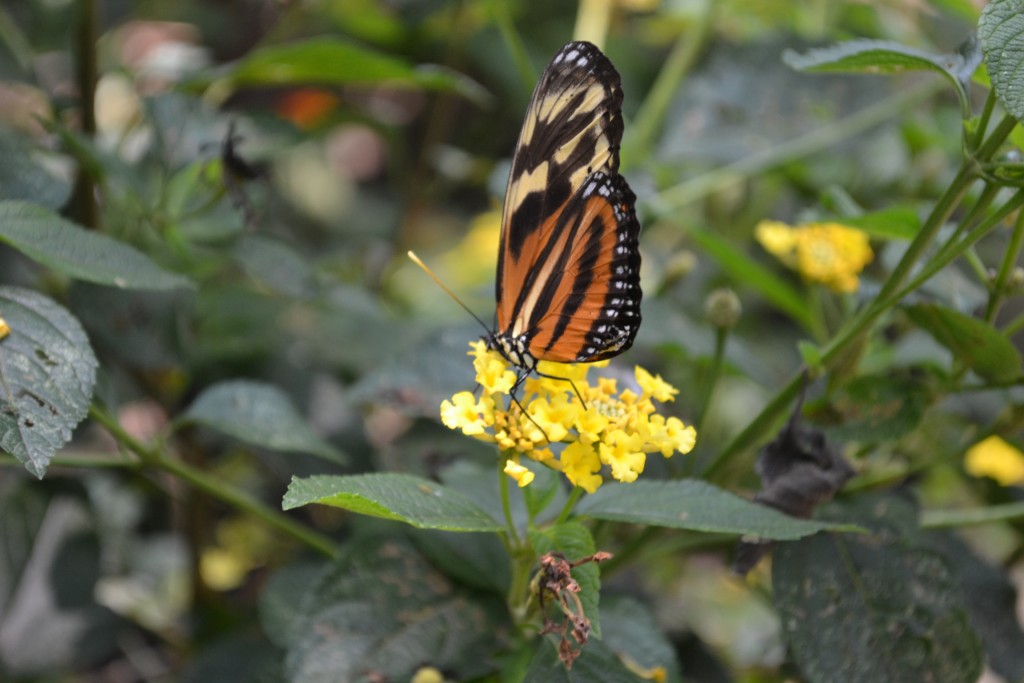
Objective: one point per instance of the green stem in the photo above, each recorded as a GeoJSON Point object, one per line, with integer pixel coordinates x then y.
{"type": "Point", "coordinates": [689, 191]}
{"type": "Point", "coordinates": [999, 288]}
{"type": "Point", "coordinates": [567, 509]}
{"type": "Point", "coordinates": [983, 119]}
{"type": "Point", "coordinates": [857, 326]}
{"type": "Point", "coordinates": [650, 118]}
{"type": "Point", "coordinates": [506, 504]}
{"type": "Point", "coordinates": [714, 372]}
{"type": "Point", "coordinates": [215, 487]}
{"type": "Point", "coordinates": [503, 18]}
{"type": "Point", "coordinates": [945, 519]}
{"type": "Point", "coordinates": [84, 461]}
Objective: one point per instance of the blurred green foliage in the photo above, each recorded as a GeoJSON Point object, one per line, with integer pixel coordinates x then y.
{"type": "Point", "coordinates": [224, 238]}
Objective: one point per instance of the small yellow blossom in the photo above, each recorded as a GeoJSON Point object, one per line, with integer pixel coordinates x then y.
{"type": "Point", "coordinates": [4, 328]}
{"type": "Point", "coordinates": [994, 457]}
{"type": "Point", "coordinates": [828, 253]}
{"type": "Point", "coordinates": [608, 433]}
{"type": "Point", "coordinates": [521, 474]}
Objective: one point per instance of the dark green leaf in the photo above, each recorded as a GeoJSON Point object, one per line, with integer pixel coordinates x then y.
{"type": "Point", "coordinates": [383, 609]}
{"type": "Point", "coordinates": [873, 408]}
{"type": "Point", "coordinates": [630, 626]}
{"type": "Point", "coordinates": [745, 270]}
{"type": "Point", "coordinates": [991, 599]}
{"type": "Point", "coordinates": [260, 415]}
{"type": "Point", "coordinates": [22, 177]}
{"type": "Point", "coordinates": [275, 265]}
{"type": "Point", "coordinates": [973, 342]}
{"type": "Point", "coordinates": [484, 563]}
{"type": "Point", "coordinates": [873, 608]}
{"type": "Point", "coordinates": [574, 542]}
{"type": "Point", "coordinates": [43, 236]}
{"type": "Point", "coordinates": [597, 662]}
{"type": "Point", "coordinates": [882, 56]}
{"type": "Point", "coordinates": [335, 61]}
{"type": "Point", "coordinates": [695, 505]}
{"type": "Point", "coordinates": [281, 600]}
{"type": "Point", "coordinates": [999, 31]}
{"type": "Point", "coordinates": [47, 374]}
{"type": "Point", "coordinates": [400, 497]}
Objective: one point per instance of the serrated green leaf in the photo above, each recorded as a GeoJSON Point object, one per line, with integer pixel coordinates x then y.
{"type": "Point", "coordinates": [43, 236]}
{"type": "Point", "coordinates": [382, 608]}
{"type": "Point", "coordinates": [574, 542]}
{"type": "Point", "coordinates": [630, 626]}
{"type": "Point", "coordinates": [695, 505]}
{"type": "Point", "coordinates": [260, 415]}
{"type": "Point", "coordinates": [973, 342]}
{"type": "Point", "coordinates": [400, 497]}
{"type": "Point", "coordinates": [873, 608]}
{"type": "Point", "coordinates": [745, 270]}
{"type": "Point", "coordinates": [999, 31]}
{"type": "Point", "coordinates": [47, 375]}
{"type": "Point", "coordinates": [882, 56]}
{"type": "Point", "coordinates": [336, 61]}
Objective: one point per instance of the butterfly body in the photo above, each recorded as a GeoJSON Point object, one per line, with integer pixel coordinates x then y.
{"type": "Point", "coordinates": [568, 285]}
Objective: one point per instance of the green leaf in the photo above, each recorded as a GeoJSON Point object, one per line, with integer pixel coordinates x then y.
{"type": "Point", "coordinates": [400, 497]}
{"type": "Point", "coordinates": [873, 608]}
{"type": "Point", "coordinates": [43, 236]}
{"type": "Point", "coordinates": [260, 415]}
{"type": "Point", "coordinates": [47, 375]}
{"type": "Point", "coordinates": [484, 563]}
{"type": "Point", "coordinates": [990, 598]}
{"type": "Point", "coordinates": [574, 542]}
{"type": "Point", "coordinates": [630, 626]}
{"type": "Point", "coordinates": [22, 177]}
{"type": "Point", "coordinates": [382, 608]}
{"type": "Point", "coordinates": [695, 505]}
{"type": "Point", "coordinates": [746, 270]}
{"type": "Point", "coordinates": [999, 31]}
{"type": "Point", "coordinates": [597, 662]}
{"type": "Point", "coordinates": [275, 265]}
{"type": "Point", "coordinates": [973, 342]}
{"type": "Point", "coordinates": [811, 355]}
{"type": "Point", "coordinates": [896, 223]}
{"type": "Point", "coordinates": [334, 61]}
{"type": "Point", "coordinates": [882, 56]}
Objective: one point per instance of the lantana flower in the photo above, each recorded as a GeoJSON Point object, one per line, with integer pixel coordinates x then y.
{"type": "Point", "coordinates": [827, 253]}
{"type": "Point", "coordinates": [996, 458]}
{"type": "Point", "coordinates": [608, 434]}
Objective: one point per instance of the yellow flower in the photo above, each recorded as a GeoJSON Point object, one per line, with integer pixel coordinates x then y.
{"type": "Point", "coordinates": [827, 253]}
{"type": "Point", "coordinates": [466, 413]}
{"type": "Point", "coordinates": [994, 457]}
{"type": "Point", "coordinates": [521, 474]}
{"type": "Point", "coordinates": [607, 433]}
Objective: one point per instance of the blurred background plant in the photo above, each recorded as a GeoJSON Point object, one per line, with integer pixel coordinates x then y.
{"type": "Point", "coordinates": [204, 214]}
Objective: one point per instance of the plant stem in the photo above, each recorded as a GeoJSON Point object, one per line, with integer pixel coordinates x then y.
{"type": "Point", "coordinates": [714, 372]}
{"type": "Point", "coordinates": [574, 496]}
{"type": "Point", "coordinates": [999, 287]}
{"type": "Point", "coordinates": [821, 138]}
{"type": "Point", "coordinates": [983, 119]}
{"type": "Point", "coordinates": [214, 487]}
{"type": "Point", "coordinates": [592, 21]}
{"type": "Point", "coordinates": [650, 117]}
{"type": "Point", "coordinates": [945, 519]}
{"type": "Point", "coordinates": [506, 505]}
{"type": "Point", "coordinates": [514, 43]}
{"type": "Point", "coordinates": [83, 201]}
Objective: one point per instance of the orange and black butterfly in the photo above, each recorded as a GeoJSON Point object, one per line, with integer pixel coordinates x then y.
{"type": "Point", "coordinates": [568, 285]}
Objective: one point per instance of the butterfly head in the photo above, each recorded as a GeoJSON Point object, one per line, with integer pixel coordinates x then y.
{"type": "Point", "coordinates": [514, 348]}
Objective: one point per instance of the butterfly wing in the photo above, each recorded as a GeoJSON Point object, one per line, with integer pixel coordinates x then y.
{"type": "Point", "coordinates": [585, 305]}
{"type": "Point", "coordinates": [572, 130]}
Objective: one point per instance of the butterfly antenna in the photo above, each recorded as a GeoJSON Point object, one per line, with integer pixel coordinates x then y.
{"type": "Point", "coordinates": [428, 271]}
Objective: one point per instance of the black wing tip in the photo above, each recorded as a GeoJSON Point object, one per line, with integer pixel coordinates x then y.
{"type": "Point", "coordinates": [593, 59]}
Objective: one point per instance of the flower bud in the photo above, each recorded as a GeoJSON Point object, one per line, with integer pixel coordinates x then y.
{"type": "Point", "coordinates": [723, 308]}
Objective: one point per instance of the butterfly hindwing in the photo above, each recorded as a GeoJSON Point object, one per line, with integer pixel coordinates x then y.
{"type": "Point", "coordinates": [588, 307]}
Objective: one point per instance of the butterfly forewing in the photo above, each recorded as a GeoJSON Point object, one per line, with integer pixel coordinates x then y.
{"type": "Point", "coordinates": [568, 285]}
{"type": "Point", "coordinates": [573, 128]}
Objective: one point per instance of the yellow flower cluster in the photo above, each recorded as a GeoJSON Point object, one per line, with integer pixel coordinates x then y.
{"type": "Point", "coordinates": [610, 431]}
{"type": "Point", "coordinates": [829, 253]}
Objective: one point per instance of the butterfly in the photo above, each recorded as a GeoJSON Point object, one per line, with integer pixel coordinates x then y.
{"type": "Point", "coordinates": [568, 282]}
